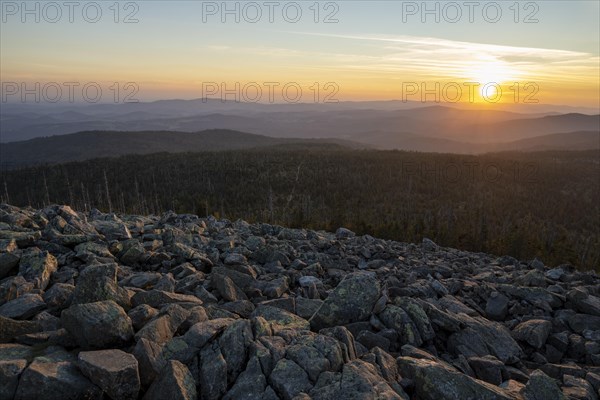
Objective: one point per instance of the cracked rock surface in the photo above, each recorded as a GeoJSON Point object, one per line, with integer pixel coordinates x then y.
{"type": "Point", "coordinates": [105, 306]}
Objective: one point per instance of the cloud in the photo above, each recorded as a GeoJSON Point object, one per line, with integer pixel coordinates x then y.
{"type": "Point", "coordinates": [442, 58]}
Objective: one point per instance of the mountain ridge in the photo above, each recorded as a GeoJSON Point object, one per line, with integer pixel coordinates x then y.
{"type": "Point", "coordinates": [98, 144]}
{"type": "Point", "coordinates": [304, 121]}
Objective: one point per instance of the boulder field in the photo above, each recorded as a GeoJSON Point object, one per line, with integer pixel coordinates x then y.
{"type": "Point", "coordinates": [125, 307]}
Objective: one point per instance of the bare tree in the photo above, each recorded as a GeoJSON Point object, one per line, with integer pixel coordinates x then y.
{"type": "Point", "coordinates": [47, 200]}
{"type": "Point", "coordinates": [7, 198]}
{"type": "Point", "coordinates": [110, 210]}
{"type": "Point", "coordinates": [83, 196]}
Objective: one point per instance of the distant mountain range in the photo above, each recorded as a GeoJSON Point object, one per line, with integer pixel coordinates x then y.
{"type": "Point", "coordinates": [98, 144]}
{"type": "Point", "coordinates": [380, 124]}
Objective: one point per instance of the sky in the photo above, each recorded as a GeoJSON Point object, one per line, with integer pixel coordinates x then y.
{"type": "Point", "coordinates": [464, 51]}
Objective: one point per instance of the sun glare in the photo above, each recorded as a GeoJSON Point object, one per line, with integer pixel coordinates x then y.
{"type": "Point", "coordinates": [490, 73]}
{"type": "Point", "coordinates": [488, 91]}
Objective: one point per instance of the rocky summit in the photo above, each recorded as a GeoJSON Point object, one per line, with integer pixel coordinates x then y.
{"type": "Point", "coordinates": [123, 307]}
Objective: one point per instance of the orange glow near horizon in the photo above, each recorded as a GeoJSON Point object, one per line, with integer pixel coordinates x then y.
{"type": "Point", "coordinates": [537, 76]}
{"type": "Point", "coordinates": [370, 52]}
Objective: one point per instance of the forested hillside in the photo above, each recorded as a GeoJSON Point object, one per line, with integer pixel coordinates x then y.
{"type": "Point", "coordinates": [95, 144]}
{"type": "Point", "coordinates": [522, 204]}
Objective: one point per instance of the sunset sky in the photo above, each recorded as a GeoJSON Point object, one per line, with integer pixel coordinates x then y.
{"type": "Point", "coordinates": [372, 52]}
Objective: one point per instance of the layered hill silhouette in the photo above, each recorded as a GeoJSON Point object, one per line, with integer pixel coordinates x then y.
{"type": "Point", "coordinates": [98, 144]}
{"type": "Point", "coordinates": [380, 124]}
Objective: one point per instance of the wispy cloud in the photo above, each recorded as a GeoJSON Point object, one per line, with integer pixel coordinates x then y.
{"type": "Point", "coordinates": [442, 58]}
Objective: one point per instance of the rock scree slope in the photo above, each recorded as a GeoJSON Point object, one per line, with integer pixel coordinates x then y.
{"type": "Point", "coordinates": [105, 306]}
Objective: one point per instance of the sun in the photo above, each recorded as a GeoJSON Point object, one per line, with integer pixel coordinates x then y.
{"type": "Point", "coordinates": [489, 90]}
{"type": "Point", "coordinates": [490, 75]}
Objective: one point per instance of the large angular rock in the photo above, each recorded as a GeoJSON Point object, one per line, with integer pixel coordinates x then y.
{"type": "Point", "coordinates": [8, 246]}
{"type": "Point", "coordinates": [14, 351]}
{"type": "Point", "coordinates": [542, 387]}
{"type": "Point", "coordinates": [243, 280]}
{"type": "Point", "coordinates": [98, 325]}
{"type": "Point", "coordinates": [537, 296]}
{"type": "Point", "coordinates": [235, 258]}
{"type": "Point", "coordinates": [159, 330]}
{"type": "Point", "coordinates": [488, 369]}
{"type": "Point", "coordinates": [437, 381]}
{"type": "Point", "coordinates": [203, 332]}
{"type": "Point", "coordinates": [99, 283]}
{"type": "Point", "coordinates": [243, 308]}
{"type": "Point", "coordinates": [112, 230]}
{"type": "Point", "coordinates": [148, 356]}
{"type": "Point", "coordinates": [442, 320]}
{"type": "Point", "coordinates": [583, 322]}
{"type": "Point", "coordinates": [59, 296]}
{"type": "Point", "coordinates": [497, 306]}
{"type": "Point", "coordinates": [23, 307]}
{"type": "Point", "coordinates": [280, 319]}
{"type": "Point", "coordinates": [418, 316]}
{"type": "Point", "coordinates": [141, 280]}
{"type": "Point", "coordinates": [10, 328]}
{"type": "Point", "coordinates": [158, 298]}
{"type": "Point", "coordinates": [132, 252]}
{"type": "Point", "coordinates": [535, 332]}
{"type": "Point", "coordinates": [114, 371]}
{"type": "Point", "coordinates": [68, 221]}
{"type": "Point", "coordinates": [358, 380]}
{"type": "Point", "coordinates": [234, 343]}
{"type": "Point", "coordinates": [22, 239]}
{"type": "Point", "coordinates": [396, 318]}
{"type": "Point", "coordinates": [351, 301]}
{"type": "Point", "coordinates": [344, 233]}
{"type": "Point", "coordinates": [584, 303]}
{"type": "Point", "coordinates": [387, 365]}
{"type": "Point", "coordinates": [482, 337]}
{"type": "Point", "coordinates": [164, 326]}
{"type": "Point", "coordinates": [289, 379]}
{"type": "Point", "coordinates": [309, 358]}
{"type": "Point", "coordinates": [345, 338]}
{"type": "Point", "coordinates": [9, 259]}
{"type": "Point", "coordinates": [250, 385]}
{"type": "Point", "coordinates": [276, 288]}
{"type": "Point", "coordinates": [141, 314]}
{"type": "Point", "coordinates": [13, 287]}
{"type": "Point", "coordinates": [10, 371]}
{"type": "Point", "coordinates": [213, 373]}
{"type": "Point", "coordinates": [371, 340]}
{"type": "Point", "coordinates": [578, 388]}
{"type": "Point", "coordinates": [90, 251]}
{"type": "Point", "coordinates": [57, 378]}
{"type": "Point", "coordinates": [227, 288]}
{"type": "Point", "coordinates": [175, 382]}
{"type": "Point", "coordinates": [454, 305]}
{"type": "Point", "coordinates": [306, 308]}
{"type": "Point", "coordinates": [37, 266]}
